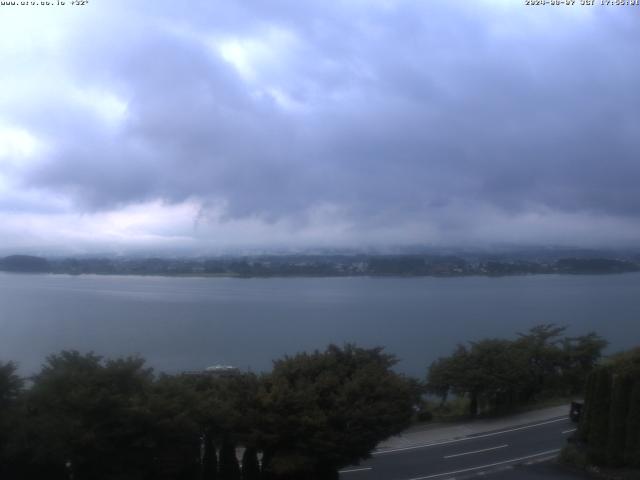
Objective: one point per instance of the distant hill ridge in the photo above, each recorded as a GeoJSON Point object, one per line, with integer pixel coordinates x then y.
{"type": "Point", "coordinates": [24, 263]}
{"type": "Point", "coordinates": [321, 266]}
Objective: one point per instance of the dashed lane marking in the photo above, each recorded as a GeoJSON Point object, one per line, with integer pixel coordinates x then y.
{"type": "Point", "coordinates": [481, 467]}
{"type": "Point", "coordinates": [466, 439]}
{"type": "Point", "coordinates": [476, 451]}
{"type": "Point", "coordinates": [353, 470]}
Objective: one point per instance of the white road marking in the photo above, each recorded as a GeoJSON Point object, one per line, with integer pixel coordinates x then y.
{"type": "Point", "coordinates": [352, 470]}
{"type": "Point", "coordinates": [548, 452]}
{"type": "Point", "coordinates": [569, 431]}
{"type": "Point", "coordinates": [466, 439]}
{"type": "Point", "coordinates": [476, 451]}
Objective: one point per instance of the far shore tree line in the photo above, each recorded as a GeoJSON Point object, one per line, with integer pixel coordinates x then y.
{"type": "Point", "coordinates": [328, 265]}
{"type": "Point", "coordinates": [85, 417]}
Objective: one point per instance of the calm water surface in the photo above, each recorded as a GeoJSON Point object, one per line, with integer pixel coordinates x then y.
{"type": "Point", "coordinates": [189, 323]}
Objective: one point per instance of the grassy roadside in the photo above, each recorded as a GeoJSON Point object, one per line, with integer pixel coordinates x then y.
{"type": "Point", "coordinates": [457, 410]}
{"type": "Point", "coordinates": [574, 458]}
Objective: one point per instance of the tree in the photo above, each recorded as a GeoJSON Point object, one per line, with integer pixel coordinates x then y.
{"type": "Point", "coordinates": [444, 373]}
{"type": "Point", "coordinates": [597, 437]}
{"type": "Point", "coordinates": [173, 429]}
{"type": "Point", "coordinates": [250, 465]}
{"type": "Point", "coordinates": [489, 371]}
{"type": "Point", "coordinates": [229, 467]}
{"type": "Point", "coordinates": [618, 412]}
{"type": "Point", "coordinates": [632, 442]}
{"type": "Point", "coordinates": [89, 414]}
{"type": "Point", "coordinates": [610, 425]}
{"type": "Point", "coordinates": [497, 371]}
{"type": "Point", "coordinates": [209, 459]}
{"type": "Point", "coordinates": [325, 410]}
{"type": "Point", "coordinates": [226, 409]}
{"type": "Point", "coordinates": [586, 418]}
{"type": "Point", "coordinates": [628, 364]}
{"type": "Point", "coordinates": [10, 385]}
{"type": "Point", "coordinates": [10, 391]}
{"type": "Point", "coordinates": [580, 356]}
{"type": "Point", "coordinates": [541, 346]}
{"type": "Point", "coordinates": [501, 374]}
{"type": "Point", "coordinates": [227, 406]}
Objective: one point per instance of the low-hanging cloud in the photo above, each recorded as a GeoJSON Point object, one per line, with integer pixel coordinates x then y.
{"type": "Point", "coordinates": [358, 121]}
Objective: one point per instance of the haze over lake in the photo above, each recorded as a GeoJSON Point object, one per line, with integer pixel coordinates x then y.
{"type": "Point", "coordinates": [189, 323]}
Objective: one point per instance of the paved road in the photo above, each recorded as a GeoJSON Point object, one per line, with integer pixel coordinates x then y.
{"type": "Point", "coordinates": [467, 456]}
{"type": "Point", "coordinates": [540, 471]}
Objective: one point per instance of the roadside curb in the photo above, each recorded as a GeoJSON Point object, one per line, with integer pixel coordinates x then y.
{"type": "Point", "coordinates": [471, 436]}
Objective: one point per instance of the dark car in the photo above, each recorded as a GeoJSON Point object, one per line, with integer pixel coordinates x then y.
{"type": "Point", "coordinates": [576, 411]}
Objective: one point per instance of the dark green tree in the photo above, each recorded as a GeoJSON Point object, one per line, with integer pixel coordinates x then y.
{"type": "Point", "coordinates": [227, 406]}
{"type": "Point", "coordinates": [497, 371]}
{"type": "Point", "coordinates": [499, 374]}
{"type": "Point", "coordinates": [10, 391]}
{"type": "Point", "coordinates": [586, 417]}
{"type": "Point", "coordinates": [250, 465]}
{"type": "Point", "coordinates": [628, 363]}
{"type": "Point", "coordinates": [598, 434]}
{"type": "Point", "coordinates": [610, 424]}
{"type": "Point", "coordinates": [10, 385]}
{"type": "Point", "coordinates": [541, 347]}
{"type": "Point", "coordinates": [632, 442]}
{"type": "Point", "coordinates": [492, 372]}
{"type": "Point", "coordinates": [209, 458]}
{"type": "Point", "coordinates": [618, 412]}
{"type": "Point", "coordinates": [174, 430]}
{"type": "Point", "coordinates": [580, 356]}
{"type": "Point", "coordinates": [325, 410]}
{"type": "Point", "coordinates": [444, 374]}
{"type": "Point", "coordinates": [88, 416]}
{"type": "Point", "coordinates": [229, 467]}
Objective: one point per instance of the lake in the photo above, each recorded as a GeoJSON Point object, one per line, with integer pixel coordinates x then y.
{"type": "Point", "coordinates": [189, 323]}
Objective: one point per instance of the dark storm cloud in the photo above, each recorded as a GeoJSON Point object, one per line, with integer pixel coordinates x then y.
{"type": "Point", "coordinates": [392, 112]}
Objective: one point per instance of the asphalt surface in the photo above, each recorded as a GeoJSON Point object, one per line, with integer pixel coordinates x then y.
{"type": "Point", "coordinates": [540, 471]}
{"type": "Point", "coordinates": [496, 451]}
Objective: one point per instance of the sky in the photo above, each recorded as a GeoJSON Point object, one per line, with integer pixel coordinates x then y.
{"type": "Point", "coordinates": [205, 126]}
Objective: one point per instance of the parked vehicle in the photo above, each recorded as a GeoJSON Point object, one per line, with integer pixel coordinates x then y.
{"type": "Point", "coordinates": [576, 411]}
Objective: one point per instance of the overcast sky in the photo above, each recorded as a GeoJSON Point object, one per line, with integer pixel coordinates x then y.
{"type": "Point", "coordinates": [206, 125]}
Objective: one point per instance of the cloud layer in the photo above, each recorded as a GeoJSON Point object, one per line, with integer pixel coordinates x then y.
{"type": "Point", "coordinates": [324, 123]}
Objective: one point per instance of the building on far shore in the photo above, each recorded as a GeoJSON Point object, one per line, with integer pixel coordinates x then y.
{"type": "Point", "coordinates": [215, 371]}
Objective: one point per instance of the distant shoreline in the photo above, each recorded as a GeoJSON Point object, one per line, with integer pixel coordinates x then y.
{"type": "Point", "coordinates": [249, 277]}
{"type": "Point", "coordinates": [322, 266]}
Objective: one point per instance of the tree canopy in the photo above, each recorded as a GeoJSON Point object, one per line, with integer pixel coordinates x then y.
{"type": "Point", "coordinates": [610, 424]}
{"type": "Point", "coordinates": [100, 419]}
{"type": "Point", "coordinates": [338, 404]}
{"type": "Point", "coordinates": [10, 389]}
{"type": "Point", "coordinates": [499, 374]}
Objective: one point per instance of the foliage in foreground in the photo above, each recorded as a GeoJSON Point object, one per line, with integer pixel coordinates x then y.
{"type": "Point", "coordinates": [610, 424]}
{"type": "Point", "coordinates": [499, 374]}
{"type": "Point", "coordinates": [338, 404]}
{"type": "Point", "coordinates": [84, 417]}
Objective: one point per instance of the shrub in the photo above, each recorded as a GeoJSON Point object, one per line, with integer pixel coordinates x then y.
{"type": "Point", "coordinates": [573, 456]}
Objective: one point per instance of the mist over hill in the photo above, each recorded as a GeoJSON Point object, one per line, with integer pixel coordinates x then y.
{"type": "Point", "coordinates": [336, 263]}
